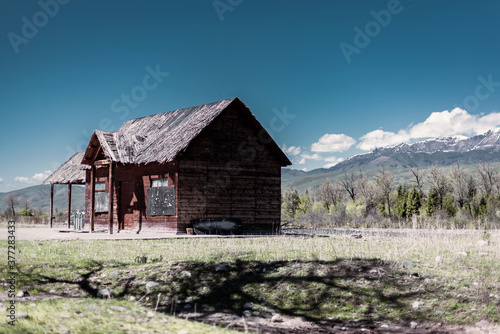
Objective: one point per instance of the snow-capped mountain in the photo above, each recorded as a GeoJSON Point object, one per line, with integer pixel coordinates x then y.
{"type": "Point", "coordinates": [441, 151]}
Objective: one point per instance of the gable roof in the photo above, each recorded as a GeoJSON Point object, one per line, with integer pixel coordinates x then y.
{"type": "Point", "coordinates": [161, 137]}
{"type": "Point", "coordinates": [72, 171]}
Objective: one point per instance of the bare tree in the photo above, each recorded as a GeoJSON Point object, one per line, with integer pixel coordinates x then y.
{"type": "Point", "coordinates": [367, 189]}
{"type": "Point", "coordinates": [385, 185]}
{"type": "Point", "coordinates": [349, 184]}
{"type": "Point", "coordinates": [330, 193]}
{"type": "Point", "coordinates": [459, 182]}
{"type": "Point", "coordinates": [12, 201]}
{"type": "Point", "coordinates": [26, 204]}
{"type": "Point", "coordinates": [439, 182]}
{"type": "Point", "coordinates": [487, 177]}
{"type": "Point", "coordinates": [419, 177]}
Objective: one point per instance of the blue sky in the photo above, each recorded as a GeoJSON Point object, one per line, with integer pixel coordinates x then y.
{"type": "Point", "coordinates": [351, 75]}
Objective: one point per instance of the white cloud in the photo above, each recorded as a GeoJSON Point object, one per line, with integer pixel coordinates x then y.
{"type": "Point", "coordinates": [380, 138]}
{"type": "Point", "coordinates": [37, 178]}
{"type": "Point", "coordinates": [333, 143]}
{"type": "Point", "coordinates": [23, 179]}
{"type": "Point", "coordinates": [292, 150]}
{"type": "Point", "coordinates": [41, 176]}
{"type": "Point", "coordinates": [315, 156]}
{"type": "Point", "coordinates": [438, 124]}
{"type": "Point", "coordinates": [332, 161]}
{"type": "Point", "coordinates": [1, 180]}
{"type": "Point", "coordinates": [304, 157]}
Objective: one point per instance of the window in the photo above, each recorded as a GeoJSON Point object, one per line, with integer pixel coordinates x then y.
{"type": "Point", "coordinates": [101, 202]}
{"type": "Point", "coordinates": [159, 182]}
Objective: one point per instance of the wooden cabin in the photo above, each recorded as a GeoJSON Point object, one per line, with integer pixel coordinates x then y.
{"type": "Point", "coordinates": [162, 172]}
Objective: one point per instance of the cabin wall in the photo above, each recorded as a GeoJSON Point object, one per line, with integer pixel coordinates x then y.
{"type": "Point", "coordinates": [130, 185]}
{"type": "Point", "coordinates": [228, 171]}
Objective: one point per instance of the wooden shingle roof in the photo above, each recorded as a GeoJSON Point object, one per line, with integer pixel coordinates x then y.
{"type": "Point", "coordinates": [72, 171]}
{"type": "Point", "coordinates": [161, 137]}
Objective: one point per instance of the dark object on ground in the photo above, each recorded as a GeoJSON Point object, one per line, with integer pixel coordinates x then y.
{"type": "Point", "coordinates": [218, 226]}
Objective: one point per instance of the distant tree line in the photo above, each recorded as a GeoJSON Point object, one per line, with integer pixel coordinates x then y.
{"type": "Point", "coordinates": [24, 211]}
{"type": "Point", "coordinates": [436, 198]}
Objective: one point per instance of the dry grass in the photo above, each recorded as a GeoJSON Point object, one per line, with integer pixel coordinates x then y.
{"type": "Point", "coordinates": [455, 277]}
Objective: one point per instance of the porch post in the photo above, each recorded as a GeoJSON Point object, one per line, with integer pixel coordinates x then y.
{"type": "Point", "coordinates": [92, 198]}
{"type": "Point", "coordinates": [110, 206]}
{"type": "Point", "coordinates": [69, 204]}
{"type": "Point", "coordinates": [51, 213]}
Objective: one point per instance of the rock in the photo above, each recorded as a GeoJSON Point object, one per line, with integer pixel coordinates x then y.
{"type": "Point", "coordinates": [269, 310]}
{"type": "Point", "coordinates": [189, 300]}
{"type": "Point", "coordinates": [483, 324]}
{"type": "Point", "coordinates": [114, 273]}
{"type": "Point", "coordinates": [462, 253]}
{"type": "Point", "coordinates": [22, 315]}
{"type": "Point", "coordinates": [483, 243]}
{"type": "Point", "coordinates": [104, 293]}
{"type": "Point", "coordinates": [256, 313]}
{"type": "Point", "coordinates": [408, 264]}
{"type": "Point", "coordinates": [222, 267]}
{"type": "Point", "coordinates": [248, 306]}
{"type": "Point", "coordinates": [415, 305]}
{"type": "Point", "coordinates": [438, 259]}
{"type": "Point", "coordinates": [150, 314]}
{"type": "Point", "coordinates": [151, 284]}
{"type": "Point", "coordinates": [64, 330]}
{"type": "Point", "coordinates": [118, 308]}
{"type": "Point", "coordinates": [185, 273]}
{"type": "Point", "coordinates": [276, 318]}
{"type": "Point", "coordinates": [413, 324]}
{"type": "Point", "coordinates": [385, 326]}
{"type": "Point", "coordinates": [483, 254]}
{"type": "Point", "coordinates": [187, 306]}
{"type": "Point", "coordinates": [132, 298]}
{"type": "Point", "coordinates": [247, 313]}
{"type": "Point", "coordinates": [20, 294]}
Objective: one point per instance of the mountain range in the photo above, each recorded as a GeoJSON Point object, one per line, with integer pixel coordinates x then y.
{"type": "Point", "coordinates": [440, 151]}
{"type": "Point", "coordinates": [39, 197]}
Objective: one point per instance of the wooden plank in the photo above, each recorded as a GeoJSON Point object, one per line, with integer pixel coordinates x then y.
{"type": "Point", "coordinates": [110, 206]}
{"type": "Point", "coordinates": [51, 217]}
{"type": "Point", "coordinates": [69, 205]}
{"type": "Point", "coordinates": [102, 162]}
{"type": "Point", "coordinates": [92, 198]}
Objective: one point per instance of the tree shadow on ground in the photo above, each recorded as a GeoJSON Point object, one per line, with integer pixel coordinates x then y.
{"type": "Point", "coordinates": [312, 290]}
{"type": "Point", "coordinates": [67, 281]}
{"type": "Point", "coordinates": [323, 292]}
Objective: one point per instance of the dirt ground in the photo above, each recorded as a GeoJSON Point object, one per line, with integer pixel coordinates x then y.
{"type": "Point", "coordinates": [58, 233]}
{"type": "Point", "coordinates": [295, 326]}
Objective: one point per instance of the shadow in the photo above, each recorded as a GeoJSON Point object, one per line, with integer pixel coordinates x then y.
{"type": "Point", "coordinates": [312, 290]}
{"type": "Point", "coordinates": [323, 292]}
{"type": "Point", "coordinates": [79, 285]}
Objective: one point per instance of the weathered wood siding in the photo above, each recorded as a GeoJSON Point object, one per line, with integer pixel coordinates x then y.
{"type": "Point", "coordinates": [131, 183]}
{"type": "Point", "coordinates": [228, 171]}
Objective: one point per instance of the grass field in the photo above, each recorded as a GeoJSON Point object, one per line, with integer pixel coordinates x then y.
{"type": "Point", "coordinates": [447, 277]}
